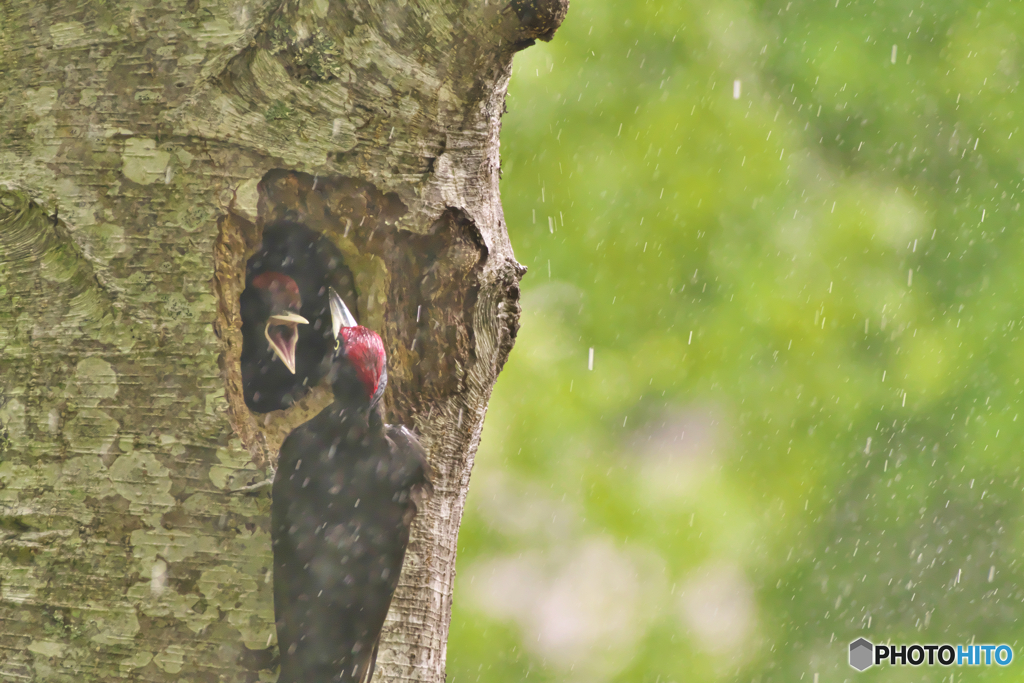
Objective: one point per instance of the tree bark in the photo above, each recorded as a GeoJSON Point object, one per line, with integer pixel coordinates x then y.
{"type": "Point", "coordinates": [143, 147]}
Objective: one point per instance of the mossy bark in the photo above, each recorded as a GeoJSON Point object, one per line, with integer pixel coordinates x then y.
{"type": "Point", "coordinates": [143, 145]}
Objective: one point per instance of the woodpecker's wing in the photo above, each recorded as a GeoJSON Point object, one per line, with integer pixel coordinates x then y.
{"type": "Point", "coordinates": [415, 465]}
{"type": "Point", "coordinates": [340, 531]}
{"type": "Point", "coordinates": [330, 599]}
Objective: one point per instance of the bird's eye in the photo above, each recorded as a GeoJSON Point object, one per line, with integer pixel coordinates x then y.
{"type": "Point", "coordinates": [337, 344]}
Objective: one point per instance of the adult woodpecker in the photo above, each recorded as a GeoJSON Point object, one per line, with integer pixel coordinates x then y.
{"type": "Point", "coordinates": [345, 493]}
{"type": "Point", "coordinates": [275, 301]}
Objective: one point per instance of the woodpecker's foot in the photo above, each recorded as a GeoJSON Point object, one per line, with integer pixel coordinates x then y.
{"type": "Point", "coordinates": [253, 489]}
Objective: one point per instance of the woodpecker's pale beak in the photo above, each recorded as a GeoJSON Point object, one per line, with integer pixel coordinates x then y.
{"type": "Point", "coordinates": [283, 334]}
{"type": "Point", "coordinates": [340, 315]}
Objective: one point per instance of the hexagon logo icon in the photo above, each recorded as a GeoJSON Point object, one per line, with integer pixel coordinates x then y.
{"type": "Point", "coordinates": [861, 654]}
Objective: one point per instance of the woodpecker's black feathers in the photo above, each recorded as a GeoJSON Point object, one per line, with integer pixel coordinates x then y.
{"type": "Point", "coordinates": [344, 497]}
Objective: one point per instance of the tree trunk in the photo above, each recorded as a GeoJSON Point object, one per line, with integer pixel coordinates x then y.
{"type": "Point", "coordinates": [143, 147]}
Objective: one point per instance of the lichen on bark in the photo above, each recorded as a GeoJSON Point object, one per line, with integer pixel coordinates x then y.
{"type": "Point", "coordinates": [143, 147]}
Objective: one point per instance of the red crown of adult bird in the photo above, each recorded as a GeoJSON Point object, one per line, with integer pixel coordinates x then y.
{"type": "Point", "coordinates": [280, 293]}
{"type": "Point", "coordinates": [346, 490]}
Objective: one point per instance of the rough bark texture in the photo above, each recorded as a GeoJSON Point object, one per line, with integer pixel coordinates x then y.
{"type": "Point", "coordinates": [143, 146]}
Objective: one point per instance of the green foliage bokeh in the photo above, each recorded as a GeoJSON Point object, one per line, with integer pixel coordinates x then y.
{"type": "Point", "coordinates": [789, 233]}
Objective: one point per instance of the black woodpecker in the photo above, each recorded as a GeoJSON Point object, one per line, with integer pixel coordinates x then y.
{"type": "Point", "coordinates": [311, 263]}
{"type": "Point", "coordinates": [345, 493]}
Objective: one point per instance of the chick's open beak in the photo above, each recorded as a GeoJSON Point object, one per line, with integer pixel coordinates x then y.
{"type": "Point", "coordinates": [283, 334]}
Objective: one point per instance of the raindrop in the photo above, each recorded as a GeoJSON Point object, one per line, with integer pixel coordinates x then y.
{"type": "Point", "coordinates": [158, 577]}
{"type": "Point", "coordinates": [590, 359]}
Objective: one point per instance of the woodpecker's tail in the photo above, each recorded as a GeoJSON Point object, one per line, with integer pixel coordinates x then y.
{"type": "Point", "coordinates": [373, 663]}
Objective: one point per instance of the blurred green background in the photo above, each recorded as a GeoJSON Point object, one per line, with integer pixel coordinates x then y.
{"type": "Point", "coordinates": [789, 233]}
